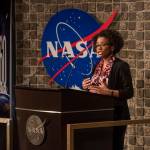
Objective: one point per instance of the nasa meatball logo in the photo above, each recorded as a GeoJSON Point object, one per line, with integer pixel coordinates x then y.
{"type": "Point", "coordinates": [67, 47]}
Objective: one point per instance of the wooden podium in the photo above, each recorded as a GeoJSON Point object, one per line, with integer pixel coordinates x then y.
{"type": "Point", "coordinates": [43, 114]}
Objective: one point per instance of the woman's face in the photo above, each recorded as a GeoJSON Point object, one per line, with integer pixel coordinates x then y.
{"type": "Point", "coordinates": [103, 47]}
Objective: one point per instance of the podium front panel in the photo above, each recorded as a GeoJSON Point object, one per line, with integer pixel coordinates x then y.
{"type": "Point", "coordinates": [56, 109]}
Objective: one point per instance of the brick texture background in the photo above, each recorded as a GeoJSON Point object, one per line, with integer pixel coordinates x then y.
{"type": "Point", "coordinates": [134, 25]}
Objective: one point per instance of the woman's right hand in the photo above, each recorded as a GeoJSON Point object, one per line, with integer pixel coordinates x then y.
{"type": "Point", "coordinates": [86, 83]}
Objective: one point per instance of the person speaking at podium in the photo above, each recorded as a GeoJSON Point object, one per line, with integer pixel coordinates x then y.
{"type": "Point", "coordinates": [112, 77]}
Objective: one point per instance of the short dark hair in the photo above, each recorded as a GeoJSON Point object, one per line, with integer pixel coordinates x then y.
{"type": "Point", "coordinates": [114, 37]}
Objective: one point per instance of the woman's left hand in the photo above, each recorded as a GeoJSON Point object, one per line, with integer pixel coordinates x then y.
{"type": "Point", "coordinates": [103, 89]}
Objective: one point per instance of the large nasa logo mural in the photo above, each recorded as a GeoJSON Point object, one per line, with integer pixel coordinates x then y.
{"type": "Point", "coordinates": [67, 47]}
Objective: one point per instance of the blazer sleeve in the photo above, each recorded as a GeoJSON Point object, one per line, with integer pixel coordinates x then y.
{"type": "Point", "coordinates": [126, 91]}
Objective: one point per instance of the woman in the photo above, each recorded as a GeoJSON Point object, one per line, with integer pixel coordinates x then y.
{"type": "Point", "coordinates": [112, 77]}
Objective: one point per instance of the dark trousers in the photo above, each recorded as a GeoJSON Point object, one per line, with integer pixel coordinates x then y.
{"type": "Point", "coordinates": [118, 137]}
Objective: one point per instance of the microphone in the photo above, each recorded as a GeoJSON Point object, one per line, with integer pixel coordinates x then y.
{"type": "Point", "coordinates": [31, 76]}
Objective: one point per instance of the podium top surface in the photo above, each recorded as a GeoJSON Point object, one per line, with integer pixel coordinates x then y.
{"type": "Point", "coordinates": [60, 99]}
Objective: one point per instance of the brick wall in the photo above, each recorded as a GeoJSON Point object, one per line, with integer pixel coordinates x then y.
{"type": "Point", "coordinates": [134, 25]}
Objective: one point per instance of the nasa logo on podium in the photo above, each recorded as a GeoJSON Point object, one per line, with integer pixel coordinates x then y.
{"type": "Point", "coordinates": [35, 130]}
{"type": "Point", "coordinates": [67, 46]}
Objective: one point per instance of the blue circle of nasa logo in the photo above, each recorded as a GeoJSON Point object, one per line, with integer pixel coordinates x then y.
{"type": "Point", "coordinates": [67, 49]}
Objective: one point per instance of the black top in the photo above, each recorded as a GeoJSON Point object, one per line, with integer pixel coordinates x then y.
{"type": "Point", "coordinates": [120, 79]}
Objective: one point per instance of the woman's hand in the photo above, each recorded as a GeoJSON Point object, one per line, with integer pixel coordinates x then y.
{"type": "Point", "coordinates": [86, 83]}
{"type": "Point", "coordinates": [102, 89]}
{"type": "Point", "coordinates": [99, 90]}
